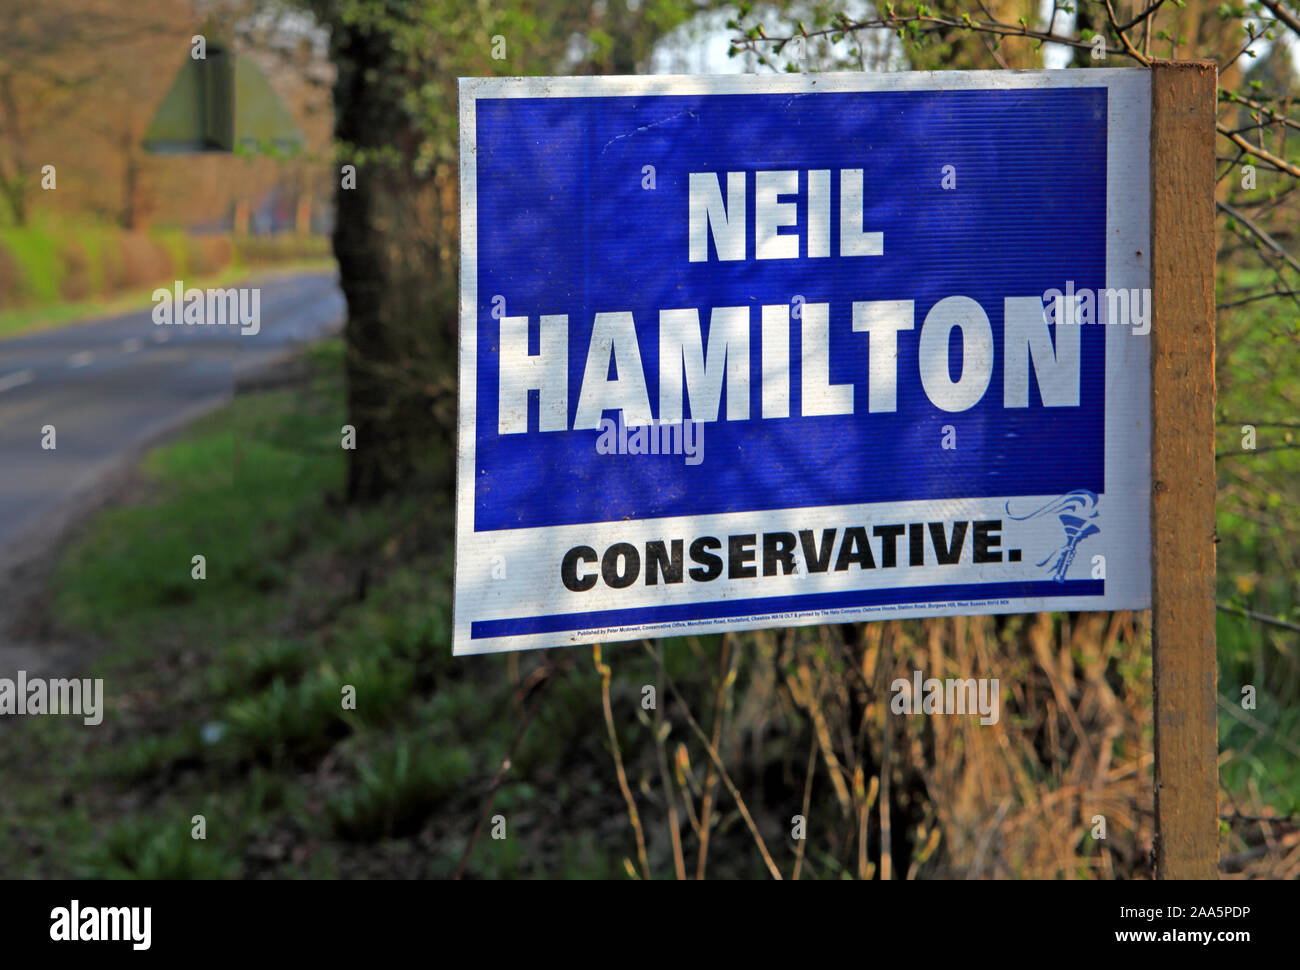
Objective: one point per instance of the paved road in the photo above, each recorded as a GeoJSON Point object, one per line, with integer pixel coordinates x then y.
{"type": "Point", "coordinates": [111, 385]}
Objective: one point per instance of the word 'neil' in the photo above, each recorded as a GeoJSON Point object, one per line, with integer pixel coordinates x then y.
{"type": "Point", "coordinates": [725, 220]}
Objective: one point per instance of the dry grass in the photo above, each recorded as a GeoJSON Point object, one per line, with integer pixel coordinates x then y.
{"type": "Point", "coordinates": [803, 724]}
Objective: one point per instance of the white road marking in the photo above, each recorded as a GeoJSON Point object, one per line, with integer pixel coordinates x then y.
{"type": "Point", "coordinates": [16, 379]}
{"type": "Point", "coordinates": [81, 359]}
{"type": "Point", "coordinates": [131, 345]}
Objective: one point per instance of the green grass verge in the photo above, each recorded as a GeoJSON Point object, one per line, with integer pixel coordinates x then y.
{"type": "Point", "coordinates": [226, 696]}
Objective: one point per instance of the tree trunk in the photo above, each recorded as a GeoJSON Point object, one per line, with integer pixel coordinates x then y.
{"type": "Point", "coordinates": [393, 332]}
{"type": "Point", "coordinates": [13, 183]}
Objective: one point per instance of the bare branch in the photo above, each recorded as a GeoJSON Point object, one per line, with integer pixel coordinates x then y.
{"type": "Point", "coordinates": [1271, 294]}
{"type": "Point", "coordinates": [1259, 234]}
{"type": "Point", "coordinates": [717, 762]}
{"type": "Point", "coordinates": [1123, 37]}
{"type": "Point", "coordinates": [1283, 14]}
{"type": "Point", "coordinates": [1275, 118]}
{"type": "Point", "coordinates": [932, 24]}
{"type": "Point", "coordinates": [633, 815]}
{"type": "Point", "coordinates": [1259, 151]}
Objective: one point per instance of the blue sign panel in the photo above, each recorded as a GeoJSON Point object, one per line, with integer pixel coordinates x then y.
{"type": "Point", "coordinates": [743, 352]}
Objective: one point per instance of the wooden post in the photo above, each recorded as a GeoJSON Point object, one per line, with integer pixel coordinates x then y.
{"type": "Point", "coordinates": [1183, 96]}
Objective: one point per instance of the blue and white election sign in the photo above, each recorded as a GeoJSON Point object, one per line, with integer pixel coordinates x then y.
{"type": "Point", "coordinates": [742, 352]}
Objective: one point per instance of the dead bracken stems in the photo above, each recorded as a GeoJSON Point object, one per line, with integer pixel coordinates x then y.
{"type": "Point", "coordinates": [670, 799]}
{"type": "Point", "coordinates": [633, 816]}
{"type": "Point", "coordinates": [717, 763]}
{"type": "Point", "coordinates": [710, 778]}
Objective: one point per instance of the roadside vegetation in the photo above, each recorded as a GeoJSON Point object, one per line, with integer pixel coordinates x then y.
{"type": "Point", "coordinates": [224, 695]}
{"type": "Point", "coordinates": [329, 571]}
{"type": "Point", "coordinates": [54, 274]}
{"type": "Point", "coordinates": [225, 700]}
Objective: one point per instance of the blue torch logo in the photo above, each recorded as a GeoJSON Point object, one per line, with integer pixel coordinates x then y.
{"type": "Point", "coordinates": [1076, 511]}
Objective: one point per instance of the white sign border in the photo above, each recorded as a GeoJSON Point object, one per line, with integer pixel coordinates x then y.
{"type": "Point", "coordinates": [1128, 265]}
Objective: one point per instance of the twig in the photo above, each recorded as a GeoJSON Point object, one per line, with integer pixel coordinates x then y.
{"type": "Point", "coordinates": [1251, 299]}
{"type": "Point", "coordinates": [1283, 14]}
{"type": "Point", "coordinates": [717, 761]}
{"type": "Point", "coordinates": [1258, 726]}
{"type": "Point", "coordinates": [807, 803]}
{"type": "Point", "coordinates": [1258, 151]}
{"type": "Point", "coordinates": [933, 24]}
{"type": "Point", "coordinates": [864, 810]}
{"type": "Point", "coordinates": [1123, 37]}
{"type": "Point", "coordinates": [1142, 16]}
{"type": "Point", "coordinates": [1235, 57]}
{"type": "Point", "coordinates": [1279, 119]}
{"type": "Point", "coordinates": [1239, 817]}
{"type": "Point", "coordinates": [687, 783]}
{"type": "Point", "coordinates": [1255, 451]}
{"type": "Point", "coordinates": [674, 829]}
{"type": "Point", "coordinates": [886, 830]}
{"type": "Point", "coordinates": [632, 814]}
{"type": "Point", "coordinates": [1258, 424]}
{"type": "Point", "coordinates": [1231, 166]}
{"type": "Point", "coordinates": [1258, 617]}
{"type": "Point", "coordinates": [804, 693]}
{"type": "Point", "coordinates": [1259, 233]}
{"type": "Point", "coordinates": [710, 779]}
